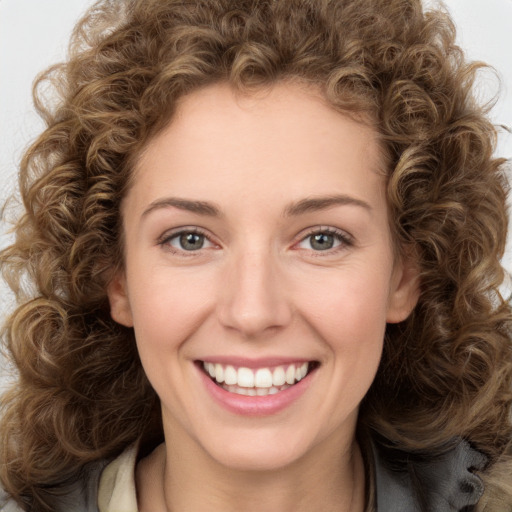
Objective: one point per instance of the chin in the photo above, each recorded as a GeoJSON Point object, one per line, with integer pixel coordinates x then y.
{"type": "Point", "coordinates": [262, 455]}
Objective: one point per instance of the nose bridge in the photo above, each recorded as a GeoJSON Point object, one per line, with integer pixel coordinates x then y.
{"type": "Point", "coordinates": [254, 299]}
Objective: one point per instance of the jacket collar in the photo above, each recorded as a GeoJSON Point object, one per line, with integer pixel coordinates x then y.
{"type": "Point", "coordinates": [410, 483]}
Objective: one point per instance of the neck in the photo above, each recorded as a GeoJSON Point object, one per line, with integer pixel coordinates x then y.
{"type": "Point", "coordinates": [179, 476]}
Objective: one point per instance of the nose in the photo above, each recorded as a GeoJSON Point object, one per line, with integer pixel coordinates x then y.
{"type": "Point", "coordinates": [253, 301]}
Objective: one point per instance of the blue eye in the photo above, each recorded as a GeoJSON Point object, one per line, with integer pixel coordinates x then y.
{"type": "Point", "coordinates": [324, 240]}
{"type": "Point", "coordinates": [188, 241]}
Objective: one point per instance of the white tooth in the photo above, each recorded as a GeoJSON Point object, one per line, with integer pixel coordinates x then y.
{"type": "Point", "coordinates": [290, 374]}
{"type": "Point", "coordinates": [251, 391]}
{"type": "Point", "coordinates": [211, 369]}
{"type": "Point", "coordinates": [230, 376]}
{"type": "Point", "coordinates": [273, 391]}
{"type": "Point", "coordinates": [261, 391]}
{"type": "Point", "coordinates": [278, 376]}
{"type": "Point", "coordinates": [219, 373]}
{"type": "Point", "coordinates": [304, 370]}
{"type": "Point", "coordinates": [245, 377]}
{"type": "Point", "coordinates": [263, 378]}
{"type": "Point", "coordinates": [298, 374]}
{"type": "Point", "coordinates": [241, 391]}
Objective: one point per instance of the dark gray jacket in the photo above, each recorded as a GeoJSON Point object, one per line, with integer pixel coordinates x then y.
{"type": "Point", "coordinates": [408, 483]}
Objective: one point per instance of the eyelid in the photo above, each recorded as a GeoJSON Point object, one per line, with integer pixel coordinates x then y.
{"type": "Point", "coordinates": [164, 239]}
{"type": "Point", "coordinates": [346, 239]}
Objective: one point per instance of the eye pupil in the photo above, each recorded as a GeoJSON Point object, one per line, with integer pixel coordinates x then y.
{"type": "Point", "coordinates": [322, 241]}
{"type": "Point", "coordinates": [191, 241]}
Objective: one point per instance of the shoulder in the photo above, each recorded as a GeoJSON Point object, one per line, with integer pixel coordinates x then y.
{"type": "Point", "coordinates": [105, 487]}
{"type": "Point", "coordinates": [116, 489]}
{"type": "Point", "coordinates": [6, 504]}
{"type": "Point", "coordinates": [407, 482]}
{"type": "Point", "coordinates": [101, 487]}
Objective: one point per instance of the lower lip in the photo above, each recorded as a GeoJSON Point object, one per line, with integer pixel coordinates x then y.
{"type": "Point", "coordinates": [255, 405]}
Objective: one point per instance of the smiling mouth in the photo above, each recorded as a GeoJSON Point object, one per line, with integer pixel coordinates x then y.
{"type": "Point", "coordinates": [257, 381]}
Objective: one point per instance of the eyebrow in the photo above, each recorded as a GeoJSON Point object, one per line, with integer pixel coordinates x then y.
{"type": "Point", "coordinates": [294, 209]}
{"type": "Point", "coordinates": [321, 203]}
{"type": "Point", "coordinates": [199, 207]}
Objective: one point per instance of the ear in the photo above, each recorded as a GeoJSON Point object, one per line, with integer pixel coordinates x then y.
{"type": "Point", "coordinates": [120, 309]}
{"type": "Point", "coordinates": [405, 289]}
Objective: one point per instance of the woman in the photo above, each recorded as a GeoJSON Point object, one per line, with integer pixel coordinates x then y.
{"type": "Point", "coordinates": [262, 241]}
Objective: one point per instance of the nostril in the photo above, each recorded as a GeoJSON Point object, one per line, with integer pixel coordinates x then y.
{"type": "Point", "coordinates": [252, 301]}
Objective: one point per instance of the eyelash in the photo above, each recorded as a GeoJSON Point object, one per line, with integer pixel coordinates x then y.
{"type": "Point", "coordinates": [344, 240]}
{"type": "Point", "coordinates": [165, 240]}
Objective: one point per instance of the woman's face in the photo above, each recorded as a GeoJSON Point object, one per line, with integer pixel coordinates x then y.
{"type": "Point", "coordinates": [257, 246]}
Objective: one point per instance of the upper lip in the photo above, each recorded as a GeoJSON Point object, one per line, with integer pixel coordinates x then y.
{"type": "Point", "coordinates": [261, 362]}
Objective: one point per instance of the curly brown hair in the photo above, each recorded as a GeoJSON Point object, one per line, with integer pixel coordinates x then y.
{"type": "Point", "coordinates": [81, 394]}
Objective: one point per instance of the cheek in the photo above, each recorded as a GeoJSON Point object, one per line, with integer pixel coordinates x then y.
{"type": "Point", "coordinates": [348, 302]}
{"type": "Point", "coordinates": [350, 321]}
{"type": "Point", "coordinates": [166, 310]}
{"type": "Point", "coordinates": [353, 329]}
{"type": "Point", "coordinates": [347, 311]}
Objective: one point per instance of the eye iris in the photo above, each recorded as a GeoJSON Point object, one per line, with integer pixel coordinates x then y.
{"type": "Point", "coordinates": [322, 241]}
{"type": "Point", "coordinates": [191, 241]}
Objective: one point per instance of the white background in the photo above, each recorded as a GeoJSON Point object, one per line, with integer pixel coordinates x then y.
{"type": "Point", "coordinates": [34, 34]}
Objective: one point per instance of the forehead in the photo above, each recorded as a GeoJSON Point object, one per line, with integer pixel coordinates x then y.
{"type": "Point", "coordinates": [285, 136]}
